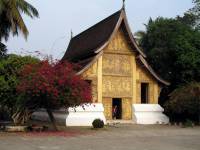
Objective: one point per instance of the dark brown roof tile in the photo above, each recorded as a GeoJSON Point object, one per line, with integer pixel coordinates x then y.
{"type": "Point", "coordinates": [84, 44]}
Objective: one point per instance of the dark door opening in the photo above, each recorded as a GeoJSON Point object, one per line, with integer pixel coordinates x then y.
{"type": "Point", "coordinates": [144, 93]}
{"type": "Point", "coordinates": [117, 108]}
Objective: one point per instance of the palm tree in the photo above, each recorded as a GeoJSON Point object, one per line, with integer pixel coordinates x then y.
{"type": "Point", "coordinates": [11, 19]}
{"type": "Point", "coordinates": [139, 36]}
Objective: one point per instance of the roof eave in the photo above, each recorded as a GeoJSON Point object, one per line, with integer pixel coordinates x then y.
{"type": "Point", "coordinates": [131, 35]}
{"type": "Point", "coordinates": [122, 18]}
{"type": "Point", "coordinates": [152, 72]}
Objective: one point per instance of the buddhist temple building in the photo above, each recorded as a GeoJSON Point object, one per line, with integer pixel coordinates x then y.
{"type": "Point", "coordinates": [117, 69]}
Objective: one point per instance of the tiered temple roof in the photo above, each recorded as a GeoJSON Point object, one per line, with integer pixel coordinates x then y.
{"type": "Point", "coordinates": [88, 45]}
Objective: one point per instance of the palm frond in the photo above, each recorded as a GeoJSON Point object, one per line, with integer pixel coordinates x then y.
{"type": "Point", "coordinates": [2, 6]}
{"type": "Point", "coordinates": [11, 19]}
{"type": "Point", "coordinates": [27, 8]}
{"type": "Point", "coordinates": [20, 23]}
{"type": "Point", "coordinates": [16, 19]}
{"type": "Point", "coordinates": [139, 33]}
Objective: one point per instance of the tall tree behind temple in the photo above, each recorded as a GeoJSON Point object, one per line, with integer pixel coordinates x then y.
{"type": "Point", "coordinates": [196, 11]}
{"type": "Point", "coordinates": [192, 16]}
{"type": "Point", "coordinates": [173, 50]}
{"type": "Point", "coordinates": [172, 46]}
{"type": "Point", "coordinates": [11, 19]}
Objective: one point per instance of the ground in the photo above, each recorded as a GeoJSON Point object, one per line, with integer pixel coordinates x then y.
{"type": "Point", "coordinates": [127, 137]}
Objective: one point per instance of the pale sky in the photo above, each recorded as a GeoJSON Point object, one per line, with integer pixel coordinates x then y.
{"type": "Point", "coordinates": [50, 34]}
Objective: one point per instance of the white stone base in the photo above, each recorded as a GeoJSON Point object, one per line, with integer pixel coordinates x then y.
{"type": "Point", "coordinates": [85, 116]}
{"type": "Point", "coordinates": [149, 114]}
{"type": "Point", "coordinates": [80, 116]}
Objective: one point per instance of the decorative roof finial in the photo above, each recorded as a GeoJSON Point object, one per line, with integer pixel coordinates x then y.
{"type": "Point", "coordinates": [123, 4]}
{"type": "Point", "coordinates": [71, 34]}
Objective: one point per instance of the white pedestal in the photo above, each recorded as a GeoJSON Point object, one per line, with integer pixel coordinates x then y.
{"type": "Point", "coordinates": [79, 116]}
{"type": "Point", "coordinates": [149, 114]}
{"type": "Point", "coordinates": [85, 116]}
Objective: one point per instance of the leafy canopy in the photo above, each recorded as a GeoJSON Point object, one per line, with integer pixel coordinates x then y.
{"type": "Point", "coordinates": [173, 50]}
{"type": "Point", "coordinates": [192, 16]}
{"type": "Point", "coordinates": [10, 68]}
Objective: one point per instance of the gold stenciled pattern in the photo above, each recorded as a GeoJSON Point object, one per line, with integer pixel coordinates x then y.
{"type": "Point", "coordinates": [145, 77]}
{"type": "Point", "coordinates": [91, 74]}
{"type": "Point", "coordinates": [117, 86]}
{"type": "Point", "coordinates": [138, 91]}
{"type": "Point", "coordinates": [117, 77]}
{"type": "Point", "coordinates": [107, 103]}
{"type": "Point", "coordinates": [117, 68]}
{"type": "Point", "coordinates": [126, 109]}
{"type": "Point", "coordinates": [116, 64]}
{"type": "Point", "coordinates": [119, 43]}
{"type": "Point", "coordinates": [94, 91]}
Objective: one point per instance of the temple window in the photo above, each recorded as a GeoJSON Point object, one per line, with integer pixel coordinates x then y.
{"type": "Point", "coordinates": [89, 82]}
{"type": "Point", "coordinates": [144, 93]}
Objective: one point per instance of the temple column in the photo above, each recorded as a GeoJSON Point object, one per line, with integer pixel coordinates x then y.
{"type": "Point", "coordinates": [99, 80]}
{"type": "Point", "coordinates": [134, 79]}
{"type": "Point", "coordinates": [156, 95]}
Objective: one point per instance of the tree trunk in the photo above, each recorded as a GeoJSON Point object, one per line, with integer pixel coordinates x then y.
{"type": "Point", "coordinates": [21, 117]}
{"type": "Point", "coordinates": [52, 119]}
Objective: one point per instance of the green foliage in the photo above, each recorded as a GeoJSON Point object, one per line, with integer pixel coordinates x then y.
{"type": "Point", "coordinates": [98, 123]}
{"type": "Point", "coordinates": [4, 114]}
{"type": "Point", "coordinates": [11, 17]}
{"type": "Point", "coordinates": [9, 77]}
{"type": "Point", "coordinates": [192, 16]}
{"type": "Point", "coordinates": [188, 123]}
{"type": "Point", "coordinates": [196, 9]}
{"type": "Point", "coordinates": [188, 19]}
{"type": "Point", "coordinates": [3, 50]}
{"type": "Point", "coordinates": [185, 102]}
{"type": "Point", "coordinates": [173, 50]}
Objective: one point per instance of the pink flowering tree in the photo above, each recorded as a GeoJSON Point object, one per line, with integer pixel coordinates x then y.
{"type": "Point", "coordinates": [50, 86]}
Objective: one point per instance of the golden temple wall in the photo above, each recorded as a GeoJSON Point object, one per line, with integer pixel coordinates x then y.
{"type": "Point", "coordinates": [92, 75]}
{"type": "Point", "coordinates": [144, 77]}
{"type": "Point", "coordinates": [117, 75]}
{"type": "Point", "coordinates": [117, 68]}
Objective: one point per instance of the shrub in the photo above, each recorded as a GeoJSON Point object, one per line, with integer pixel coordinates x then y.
{"type": "Point", "coordinates": [98, 123]}
{"type": "Point", "coordinates": [188, 123]}
{"type": "Point", "coordinates": [4, 114]}
{"type": "Point", "coordinates": [184, 103]}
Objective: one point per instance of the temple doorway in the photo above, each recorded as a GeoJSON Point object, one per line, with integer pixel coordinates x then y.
{"type": "Point", "coordinates": [117, 108]}
{"type": "Point", "coordinates": [144, 93]}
